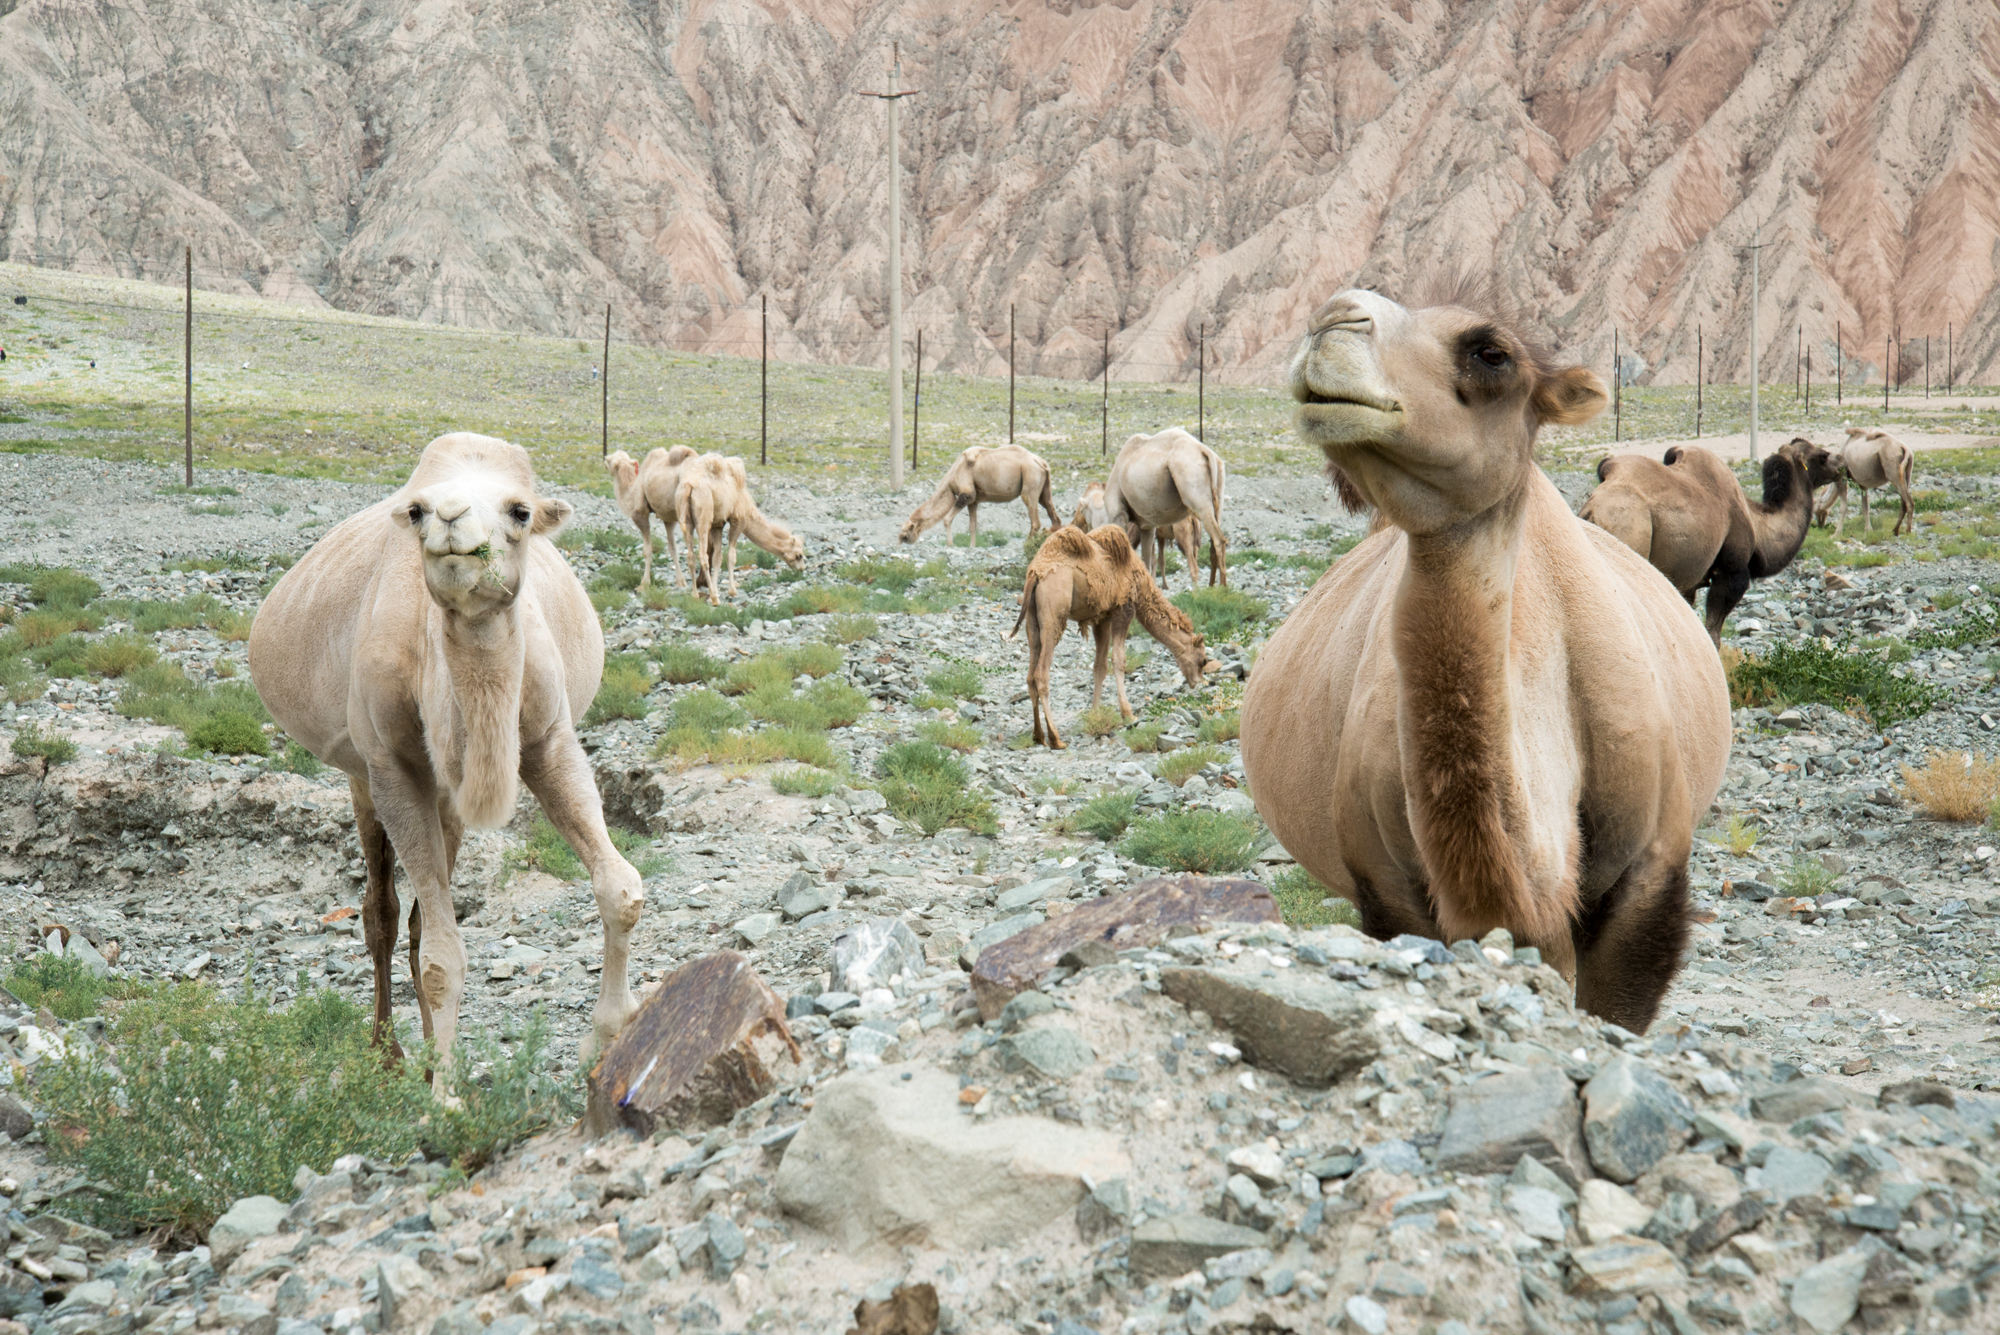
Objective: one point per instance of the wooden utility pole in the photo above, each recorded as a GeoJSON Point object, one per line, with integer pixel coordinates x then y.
{"type": "Point", "coordinates": [1808, 382]}
{"type": "Point", "coordinates": [604, 388]}
{"type": "Point", "coordinates": [764, 379]}
{"type": "Point", "coordinates": [1798, 361]}
{"type": "Point", "coordinates": [1201, 387]}
{"type": "Point", "coordinates": [1839, 362]}
{"type": "Point", "coordinates": [1948, 349]}
{"type": "Point", "coordinates": [187, 358]}
{"type": "Point", "coordinates": [1010, 373]}
{"type": "Point", "coordinates": [1617, 389]}
{"type": "Point", "coordinates": [1756, 249]}
{"type": "Point", "coordinates": [1888, 347]}
{"type": "Point", "coordinates": [917, 401]}
{"type": "Point", "coordinates": [1104, 439]}
{"type": "Point", "coordinates": [894, 277]}
{"type": "Point", "coordinates": [1927, 366]}
{"type": "Point", "coordinates": [1697, 382]}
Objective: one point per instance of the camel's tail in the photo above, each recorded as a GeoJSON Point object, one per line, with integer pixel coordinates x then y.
{"type": "Point", "coordinates": [1218, 473]}
{"type": "Point", "coordinates": [1027, 603]}
{"type": "Point", "coordinates": [1049, 496]}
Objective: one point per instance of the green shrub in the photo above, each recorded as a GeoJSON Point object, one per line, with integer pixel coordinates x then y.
{"type": "Point", "coordinates": [298, 760]}
{"type": "Point", "coordinates": [805, 782]}
{"type": "Point", "coordinates": [165, 694]}
{"type": "Point", "coordinates": [116, 655]}
{"type": "Point", "coordinates": [197, 1101]}
{"type": "Point", "coordinates": [683, 663]}
{"type": "Point", "coordinates": [827, 704]}
{"type": "Point", "coordinates": [1105, 816]}
{"type": "Point", "coordinates": [1220, 614]}
{"type": "Point", "coordinates": [63, 657]}
{"type": "Point", "coordinates": [1808, 878]}
{"type": "Point", "coordinates": [150, 618]}
{"type": "Point", "coordinates": [608, 540]}
{"type": "Point", "coordinates": [1100, 721]}
{"type": "Point", "coordinates": [1976, 626]}
{"type": "Point", "coordinates": [546, 850]}
{"type": "Point", "coordinates": [622, 692]}
{"type": "Point", "coordinates": [1809, 672]}
{"type": "Point", "coordinates": [985, 539]}
{"type": "Point", "coordinates": [1301, 901]}
{"type": "Point", "coordinates": [63, 984]}
{"type": "Point", "coordinates": [1206, 842]}
{"type": "Point", "coordinates": [957, 681]}
{"type": "Point", "coordinates": [617, 575]}
{"type": "Point", "coordinates": [1144, 737]}
{"type": "Point", "coordinates": [1178, 767]}
{"type": "Point", "coordinates": [818, 599]}
{"type": "Point", "coordinates": [30, 739]}
{"type": "Point", "coordinates": [1924, 502]}
{"type": "Point", "coordinates": [1033, 543]}
{"type": "Point", "coordinates": [1221, 727]}
{"type": "Point", "coordinates": [53, 586]}
{"type": "Point", "coordinates": [931, 788]}
{"type": "Point", "coordinates": [707, 712]}
{"type": "Point", "coordinates": [777, 667]}
{"type": "Point", "coordinates": [894, 573]}
{"type": "Point", "coordinates": [950, 735]}
{"type": "Point", "coordinates": [852, 629]}
{"type": "Point", "coordinates": [229, 733]}
{"type": "Point", "coordinates": [48, 625]}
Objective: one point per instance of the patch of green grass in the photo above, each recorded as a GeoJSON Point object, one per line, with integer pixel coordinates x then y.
{"type": "Point", "coordinates": [546, 850]}
{"type": "Point", "coordinates": [300, 761]}
{"type": "Point", "coordinates": [1177, 767]}
{"type": "Point", "coordinates": [1811, 673]}
{"type": "Point", "coordinates": [116, 655]}
{"type": "Point", "coordinates": [63, 657]}
{"type": "Point", "coordinates": [683, 663]}
{"type": "Point", "coordinates": [165, 694]}
{"type": "Point", "coordinates": [953, 736]}
{"type": "Point", "coordinates": [53, 586]}
{"type": "Point", "coordinates": [1976, 626]}
{"type": "Point", "coordinates": [150, 618]}
{"type": "Point", "coordinates": [704, 726]}
{"type": "Point", "coordinates": [805, 781]}
{"type": "Point", "coordinates": [1221, 614]}
{"type": "Point", "coordinates": [212, 565]}
{"type": "Point", "coordinates": [1205, 842]}
{"type": "Point", "coordinates": [64, 985]}
{"type": "Point", "coordinates": [1737, 835]}
{"type": "Point", "coordinates": [617, 575]}
{"type": "Point", "coordinates": [957, 681]}
{"type": "Point", "coordinates": [829, 703]}
{"type": "Point", "coordinates": [1302, 901]}
{"type": "Point", "coordinates": [30, 739]}
{"type": "Point", "coordinates": [1924, 502]}
{"type": "Point", "coordinates": [1221, 727]}
{"type": "Point", "coordinates": [964, 540]}
{"type": "Point", "coordinates": [893, 573]}
{"type": "Point", "coordinates": [1807, 878]}
{"type": "Point", "coordinates": [1033, 543]}
{"type": "Point", "coordinates": [229, 733]}
{"type": "Point", "coordinates": [614, 541]}
{"type": "Point", "coordinates": [196, 1101]}
{"type": "Point", "coordinates": [1100, 721]}
{"type": "Point", "coordinates": [931, 788]}
{"type": "Point", "coordinates": [622, 692]}
{"type": "Point", "coordinates": [1107, 815]}
{"type": "Point", "coordinates": [820, 599]}
{"type": "Point", "coordinates": [778, 667]}
{"type": "Point", "coordinates": [1144, 737]}
{"type": "Point", "coordinates": [852, 628]}
{"type": "Point", "coordinates": [177, 489]}
{"type": "Point", "coordinates": [47, 625]}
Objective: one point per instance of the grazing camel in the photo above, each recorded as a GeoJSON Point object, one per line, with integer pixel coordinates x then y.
{"type": "Point", "coordinates": [1489, 713]}
{"type": "Point", "coordinates": [1002, 473]}
{"type": "Point", "coordinates": [1095, 580]}
{"type": "Point", "coordinates": [1691, 519]}
{"type": "Point", "coordinates": [1159, 481]}
{"type": "Point", "coordinates": [437, 649]}
{"type": "Point", "coordinates": [645, 489]}
{"type": "Point", "coordinates": [1871, 458]}
{"type": "Point", "coordinates": [713, 492]}
{"type": "Point", "coordinates": [1091, 512]}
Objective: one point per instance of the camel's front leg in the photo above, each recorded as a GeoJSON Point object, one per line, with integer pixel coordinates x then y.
{"type": "Point", "coordinates": [1034, 515]}
{"type": "Point", "coordinates": [1101, 634]}
{"type": "Point", "coordinates": [407, 802]}
{"type": "Point", "coordinates": [1119, 628]}
{"type": "Point", "coordinates": [646, 534]}
{"type": "Point", "coordinates": [378, 907]}
{"type": "Point", "coordinates": [555, 770]}
{"type": "Point", "coordinates": [972, 518]}
{"type": "Point", "coordinates": [1867, 524]}
{"type": "Point", "coordinates": [735, 530]}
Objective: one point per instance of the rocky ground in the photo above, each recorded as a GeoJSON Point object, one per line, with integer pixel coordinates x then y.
{"type": "Point", "coordinates": [1843, 953]}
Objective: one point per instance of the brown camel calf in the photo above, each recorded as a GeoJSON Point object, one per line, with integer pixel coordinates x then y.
{"type": "Point", "coordinates": [1096, 580]}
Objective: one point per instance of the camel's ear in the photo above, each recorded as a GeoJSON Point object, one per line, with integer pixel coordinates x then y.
{"type": "Point", "coordinates": [551, 516]}
{"type": "Point", "coordinates": [405, 513]}
{"type": "Point", "coordinates": [1570, 397]}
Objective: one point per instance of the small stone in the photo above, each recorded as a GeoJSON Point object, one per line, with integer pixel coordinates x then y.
{"type": "Point", "coordinates": [757, 928]}
{"type": "Point", "coordinates": [1243, 1192]}
{"type": "Point", "coordinates": [1606, 1210]}
{"type": "Point", "coordinates": [246, 1314]}
{"type": "Point", "coordinates": [1034, 892]}
{"type": "Point", "coordinates": [1746, 1213]}
{"type": "Point", "coordinates": [1259, 1163]}
{"type": "Point", "coordinates": [1528, 1172]}
{"type": "Point", "coordinates": [1054, 1052]}
{"type": "Point", "coordinates": [984, 940]}
{"type": "Point", "coordinates": [400, 1284]}
{"type": "Point", "coordinates": [636, 1239]}
{"type": "Point", "coordinates": [1538, 1212]}
{"type": "Point", "coordinates": [1627, 1265]}
{"type": "Point", "coordinates": [1789, 1172]}
{"type": "Point", "coordinates": [1306, 1026]}
{"type": "Point", "coordinates": [1367, 1315]}
{"type": "Point", "coordinates": [1915, 1093]}
{"type": "Point", "coordinates": [1176, 1244]}
{"type": "Point", "coordinates": [1826, 1296]}
{"type": "Point", "coordinates": [1494, 1121]}
{"type": "Point", "coordinates": [663, 1262]}
{"type": "Point", "coordinates": [1105, 1210]}
{"type": "Point", "coordinates": [1796, 1099]}
{"type": "Point", "coordinates": [1632, 1118]}
{"type": "Point", "coordinates": [804, 894]}
{"type": "Point", "coordinates": [1237, 1265]}
{"type": "Point", "coordinates": [16, 1119]}
{"type": "Point", "coordinates": [93, 962]}
{"type": "Point", "coordinates": [251, 1218]}
{"type": "Point", "coordinates": [875, 952]}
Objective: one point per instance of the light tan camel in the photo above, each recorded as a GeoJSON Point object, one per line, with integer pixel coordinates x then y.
{"type": "Point", "coordinates": [1489, 713]}
{"type": "Point", "coordinates": [1091, 513]}
{"type": "Point", "coordinates": [1691, 519]}
{"type": "Point", "coordinates": [437, 648]}
{"type": "Point", "coordinates": [644, 489]}
{"type": "Point", "coordinates": [1096, 580]}
{"type": "Point", "coordinates": [1001, 473]}
{"type": "Point", "coordinates": [713, 492]}
{"type": "Point", "coordinates": [1159, 481]}
{"type": "Point", "coordinates": [1871, 458]}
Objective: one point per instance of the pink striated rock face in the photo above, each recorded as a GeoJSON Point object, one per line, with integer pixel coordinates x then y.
{"type": "Point", "coordinates": [1136, 164]}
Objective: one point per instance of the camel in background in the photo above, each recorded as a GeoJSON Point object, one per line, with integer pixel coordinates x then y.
{"type": "Point", "coordinates": [437, 648]}
{"type": "Point", "coordinates": [645, 489]}
{"type": "Point", "coordinates": [1160, 481]}
{"type": "Point", "coordinates": [713, 491]}
{"type": "Point", "coordinates": [1691, 519]}
{"type": "Point", "coordinates": [1093, 513]}
{"type": "Point", "coordinates": [1096, 580]}
{"type": "Point", "coordinates": [1490, 713]}
{"type": "Point", "coordinates": [1871, 458]}
{"type": "Point", "coordinates": [1001, 473]}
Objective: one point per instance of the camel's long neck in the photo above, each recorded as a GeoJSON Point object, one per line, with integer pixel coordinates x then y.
{"type": "Point", "coordinates": [1780, 522]}
{"type": "Point", "coordinates": [1156, 614]}
{"type": "Point", "coordinates": [759, 529]}
{"type": "Point", "coordinates": [1453, 627]}
{"type": "Point", "coordinates": [485, 661]}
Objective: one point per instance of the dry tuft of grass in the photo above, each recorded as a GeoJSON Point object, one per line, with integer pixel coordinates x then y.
{"type": "Point", "coordinates": [1954, 785]}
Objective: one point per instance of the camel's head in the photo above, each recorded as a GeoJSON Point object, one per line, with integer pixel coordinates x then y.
{"type": "Point", "coordinates": [789, 548]}
{"type": "Point", "coordinates": [1430, 414]}
{"type": "Point", "coordinates": [1820, 464]}
{"type": "Point", "coordinates": [1186, 645]}
{"type": "Point", "coordinates": [1091, 512]}
{"type": "Point", "coordinates": [474, 526]}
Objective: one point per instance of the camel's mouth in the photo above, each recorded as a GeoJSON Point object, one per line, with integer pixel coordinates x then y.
{"type": "Point", "coordinates": [1310, 397]}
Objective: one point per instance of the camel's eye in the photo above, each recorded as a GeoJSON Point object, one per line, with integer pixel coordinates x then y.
{"type": "Point", "coordinates": [1493, 355]}
{"type": "Point", "coordinates": [416, 515]}
{"type": "Point", "coordinates": [520, 513]}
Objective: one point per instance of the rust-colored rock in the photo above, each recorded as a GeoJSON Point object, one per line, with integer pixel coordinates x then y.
{"type": "Point", "coordinates": [911, 1310]}
{"type": "Point", "coordinates": [710, 1039]}
{"type": "Point", "coordinates": [1143, 916]}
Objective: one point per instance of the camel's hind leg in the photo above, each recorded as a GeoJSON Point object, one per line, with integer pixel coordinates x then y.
{"type": "Point", "coordinates": [1725, 590]}
{"type": "Point", "coordinates": [972, 518]}
{"type": "Point", "coordinates": [1907, 521]}
{"type": "Point", "coordinates": [646, 533]}
{"type": "Point", "coordinates": [1865, 521]}
{"type": "Point", "coordinates": [1112, 632]}
{"type": "Point", "coordinates": [734, 531]}
{"type": "Point", "coordinates": [378, 906]}
{"type": "Point", "coordinates": [1630, 945]}
{"type": "Point", "coordinates": [1190, 543]}
{"type": "Point", "coordinates": [556, 771]}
